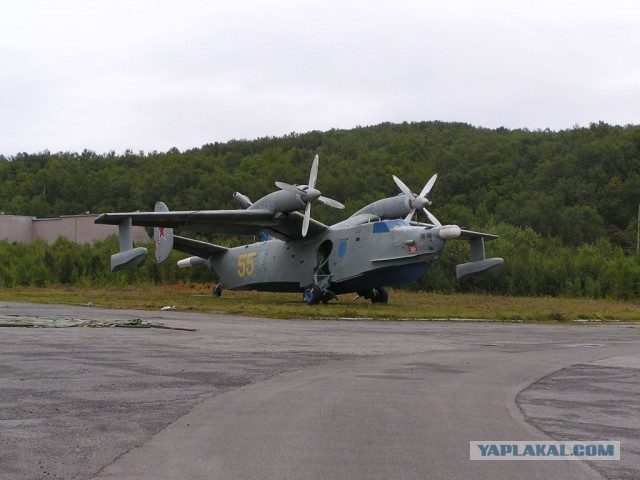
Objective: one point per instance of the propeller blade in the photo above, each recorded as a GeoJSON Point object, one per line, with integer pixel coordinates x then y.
{"type": "Point", "coordinates": [427, 188]}
{"type": "Point", "coordinates": [433, 219]}
{"type": "Point", "coordinates": [309, 195]}
{"type": "Point", "coordinates": [313, 176]}
{"type": "Point", "coordinates": [330, 202]}
{"type": "Point", "coordinates": [409, 217]}
{"type": "Point", "coordinates": [290, 188]}
{"type": "Point", "coordinates": [404, 188]}
{"type": "Point", "coordinates": [421, 200]}
{"type": "Point", "coordinates": [307, 217]}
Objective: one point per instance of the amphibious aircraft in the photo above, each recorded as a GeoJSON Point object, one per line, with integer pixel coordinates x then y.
{"type": "Point", "coordinates": [378, 246]}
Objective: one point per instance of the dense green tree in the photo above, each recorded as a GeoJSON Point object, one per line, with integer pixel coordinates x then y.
{"type": "Point", "coordinates": [551, 195]}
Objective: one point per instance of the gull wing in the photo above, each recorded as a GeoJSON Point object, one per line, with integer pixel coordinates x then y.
{"type": "Point", "coordinates": [238, 222]}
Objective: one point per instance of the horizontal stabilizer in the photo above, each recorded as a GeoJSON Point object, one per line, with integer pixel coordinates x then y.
{"type": "Point", "coordinates": [196, 247]}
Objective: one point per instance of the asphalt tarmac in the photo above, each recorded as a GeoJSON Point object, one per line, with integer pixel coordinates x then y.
{"type": "Point", "coordinates": [245, 398]}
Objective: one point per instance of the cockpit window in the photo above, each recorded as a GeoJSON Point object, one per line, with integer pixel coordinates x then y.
{"type": "Point", "coordinates": [388, 225]}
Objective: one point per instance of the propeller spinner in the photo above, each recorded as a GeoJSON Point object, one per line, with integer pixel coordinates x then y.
{"type": "Point", "coordinates": [309, 195]}
{"type": "Point", "coordinates": [420, 202]}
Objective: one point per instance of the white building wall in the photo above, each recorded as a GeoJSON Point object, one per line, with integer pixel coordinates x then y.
{"type": "Point", "coordinates": [78, 228]}
{"type": "Point", "coordinates": [15, 228]}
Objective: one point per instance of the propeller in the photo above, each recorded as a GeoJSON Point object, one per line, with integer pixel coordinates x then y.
{"type": "Point", "coordinates": [419, 202]}
{"type": "Point", "coordinates": [309, 195]}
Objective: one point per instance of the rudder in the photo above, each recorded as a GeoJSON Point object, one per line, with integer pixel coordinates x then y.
{"type": "Point", "coordinates": [162, 237]}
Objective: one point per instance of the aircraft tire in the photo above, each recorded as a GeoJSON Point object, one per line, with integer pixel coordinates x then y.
{"type": "Point", "coordinates": [327, 296]}
{"type": "Point", "coordinates": [312, 294]}
{"type": "Point", "coordinates": [379, 295]}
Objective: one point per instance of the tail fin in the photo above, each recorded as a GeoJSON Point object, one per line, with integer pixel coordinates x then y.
{"type": "Point", "coordinates": [162, 237]}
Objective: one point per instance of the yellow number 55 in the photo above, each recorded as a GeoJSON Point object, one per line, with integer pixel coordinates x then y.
{"type": "Point", "coordinates": [245, 264]}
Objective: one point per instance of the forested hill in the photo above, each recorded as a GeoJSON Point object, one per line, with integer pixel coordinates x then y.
{"type": "Point", "coordinates": [578, 185]}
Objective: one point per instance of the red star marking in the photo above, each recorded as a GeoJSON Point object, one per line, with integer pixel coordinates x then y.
{"type": "Point", "coordinates": [161, 232]}
{"type": "Point", "coordinates": [413, 249]}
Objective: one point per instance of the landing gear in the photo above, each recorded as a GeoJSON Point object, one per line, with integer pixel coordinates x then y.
{"type": "Point", "coordinates": [312, 294]}
{"type": "Point", "coordinates": [327, 296]}
{"type": "Point", "coordinates": [376, 295]}
{"type": "Point", "coordinates": [217, 292]}
{"type": "Point", "coordinates": [379, 295]}
{"type": "Point", "coordinates": [319, 291]}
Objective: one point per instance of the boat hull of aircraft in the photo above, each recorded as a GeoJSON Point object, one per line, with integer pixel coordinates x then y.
{"type": "Point", "coordinates": [339, 256]}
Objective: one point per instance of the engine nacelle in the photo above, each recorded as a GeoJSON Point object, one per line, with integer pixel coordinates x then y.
{"type": "Point", "coordinates": [387, 208]}
{"type": "Point", "coordinates": [280, 201]}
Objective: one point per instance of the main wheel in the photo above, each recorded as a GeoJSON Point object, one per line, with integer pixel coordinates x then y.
{"type": "Point", "coordinates": [327, 296]}
{"type": "Point", "coordinates": [379, 295]}
{"type": "Point", "coordinates": [312, 294]}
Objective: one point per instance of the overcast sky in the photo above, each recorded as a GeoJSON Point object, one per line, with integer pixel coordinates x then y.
{"type": "Point", "coordinates": [155, 74]}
